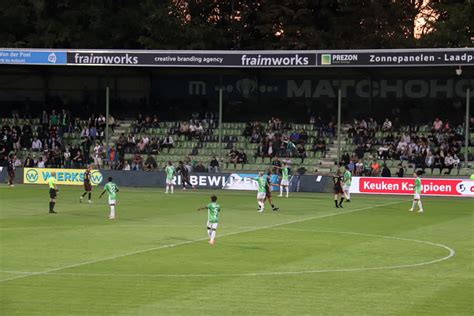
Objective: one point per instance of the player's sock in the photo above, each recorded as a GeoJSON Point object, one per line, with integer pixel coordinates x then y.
{"type": "Point", "coordinates": [281, 190]}
{"type": "Point", "coordinates": [90, 196]}
{"type": "Point", "coordinates": [112, 211]}
{"type": "Point", "coordinates": [213, 235]}
{"type": "Point", "coordinates": [340, 202]}
{"type": "Point", "coordinates": [51, 207]}
{"type": "Point", "coordinates": [420, 206]}
{"type": "Point", "coordinates": [413, 206]}
{"type": "Point", "coordinates": [209, 232]}
{"type": "Point", "coordinates": [335, 202]}
{"type": "Point", "coordinates": [172, 189]}
{"type": "Point", "coordinates": [167, 189]}
{"type": "Point", "coordinates": [84, 194]}
{"type": "Point", "coordinates": [287, 191]}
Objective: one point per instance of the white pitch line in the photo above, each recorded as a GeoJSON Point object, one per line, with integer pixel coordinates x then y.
{"type": "Point", "coordinates": [187, 242]}
{"type": "Point", "coordinates": [411, 265]}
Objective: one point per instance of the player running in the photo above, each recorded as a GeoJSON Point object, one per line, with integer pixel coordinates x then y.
{"type": "Point", "coordinates": [284, 179]}
{"type": "Point", "coordinates": [417, 193]}
{"type": "Point", "coordinates": [87, 185]}
{"type": "Point", "coordinates": [184, 172]}
{"type": "Point", "coordinates": [111, 189]}
{"type": "Point", "coordinates": [268, 188]}
{"type": "Point", "coordinates": [261, 191]}
{"type": "Point", "coordinates": [53, 190]}
{"type": "Point", "coordinates": [170, 171]}
{"type": "Point", "coordinates": [338, 192]}
{"type": "Point", "coordinates": [11, 170]}
{"type": "Point", "coordinates": [347, 179]}
{"type": "Point", "coordinates": [213, 210]}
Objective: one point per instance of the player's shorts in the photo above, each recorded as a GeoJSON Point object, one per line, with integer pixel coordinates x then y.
{"type": "Point", "coordinates": [346, 188]}
{"type": "Point", "coordinates": [169, 181]}
{"type": "Point", "coordinates": [87, 186]}
{"type": "Point", "coordinates": [261, 195]}
{"type": "Point", "coordinates": [11, 173]}
{"type": "Point", "coordinates": [212, 225]}
{"type": "Point", "coordinates": [112, 202]}
{"type": "Point", "coordinates": [416, 196]}
{"type": "Point", "coordinates": [338, 190]}
{"type": "Point", "coordinates": [52, 193]}
{"type": "Point", "coordinates": [284, 182]}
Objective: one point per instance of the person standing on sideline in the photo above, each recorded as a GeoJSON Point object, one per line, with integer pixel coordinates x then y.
{"type": "Point", "coordinates": [11, 170]}
{"type": "Point", "coordinates": [87, 184]}
{"type": "Point", "coordinates": [213, 210]}
{"type": "Point", "coordinates": [53, 190]}
{"type": "Point", "coordinates": [347, 180]}
{"type": "Point", "coordinates": [170, 171]}
{"type": "Point", "coordinates": [111, 189]}
{"type": "Point", "coordinates": [417, 193]}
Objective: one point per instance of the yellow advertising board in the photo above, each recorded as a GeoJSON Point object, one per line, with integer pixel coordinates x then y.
{"type": "Point", "coordinates": [63, 176]}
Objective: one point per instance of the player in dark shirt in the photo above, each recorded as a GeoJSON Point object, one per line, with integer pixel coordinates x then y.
{"type": "Point", "coordinates": [268, 188]}
{"type": "Point", "coordinates": [11, 170]}
{"type": "Point", "coordinates": [338, 192]}
{"type": "Point", "coordinates": [87, 184]}
{"type": "Point", "coordinates": [183, 171]}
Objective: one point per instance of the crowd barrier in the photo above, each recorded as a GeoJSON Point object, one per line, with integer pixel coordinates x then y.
{"type": "Point", "coordinates": [243, 181]}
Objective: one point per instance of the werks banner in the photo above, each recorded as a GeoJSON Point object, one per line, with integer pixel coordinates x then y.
{"type": "Point", "coordinates": [404, 186]}
{"type": "Point", "coordinates": [270, 59]}
{"type": "Point", "coordinates": [63, 176]}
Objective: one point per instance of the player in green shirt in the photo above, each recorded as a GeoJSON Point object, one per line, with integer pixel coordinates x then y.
{"type": "Point", "coordinates": [417, 193]}
{"type": "Point", "coordinates": [53, 190]}
{"type": "Point", "coordinates": [261, 191]}
{"type": "Point", "coordinates": [284, 183]}
{"type": "Point", "coordinates": [111, 189]}
{"type": "Point", "coordinates": [213, 210]}
{"type": "Point", "coordinates": [170, 171]}
{"type": "Point", "coordinates": [346, 186]}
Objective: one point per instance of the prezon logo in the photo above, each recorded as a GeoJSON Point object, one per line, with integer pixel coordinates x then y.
{"type": "Point", "coordinates": [31, 176]}
{"type": "Point", "coordinates": [325, 59]}
{"type": "Point", "coordinates": [96, 177]}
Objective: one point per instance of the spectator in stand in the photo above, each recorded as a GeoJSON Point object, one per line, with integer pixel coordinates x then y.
{"type": "Point", "coordinates": [112, 157]}
{"type": "Point", "coordinates": [150, 163]}
{"type": "Point", "coordinates": [375, 168]}
{"type": "Point", "coordinates": [137, 163]}
{"type": "Point", "coordinates": [77, 160]}
{"type": "Point", "coordinates": [200, 167]}
{"type": "Point", "coordinates": [301, 152]}
{"type": "Point", "coordinates": [167, 142]}
{"type": "Point", "coordinates": [36, 145]}
{"type": "Point", "coordinates": [386, 172]}
{"type": "Point", "coordinates": [372, 127]}
{"type": "Point", "coordinates": [387, 125]}
{"type": "Point", "coordinates": [127, 166]}
{"type": "Point", "coordinates": [242, 157]}
{"type": "Point", "coordinates": [67, 158]}
{"type": "Point", "coordinates": [98, 153]}
{"type": "Point", "coordinates": [401, 171]}
{"type": "Point", "coordinates": [320, 145]}
{"type": "Point", "coordinates": [429, 161]}
{"type": "Point", "coordinates": [29, 162]}
{"type": "Point", "coordinates": [437, 125]}
{"type": "Point", "coordinates": [214, 165]}
{"type": "Point", "coordinates": [112, 123]}
{"type": "Point", "coordinates": [53, 119]}
{"type": "Point", "coordinates": [233, 157]}
{"type": "Point", "coordinates": [41, 163]}
{"type": "Point", "coordinates": [345, 159]}
{"type": "Point", "coordinates": [449, 163]}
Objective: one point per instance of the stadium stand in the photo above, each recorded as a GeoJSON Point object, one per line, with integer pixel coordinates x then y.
{"type": "Point", "coordinates": [58, 139]}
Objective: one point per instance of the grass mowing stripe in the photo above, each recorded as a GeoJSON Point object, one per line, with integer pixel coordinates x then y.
{"type": "Point", "coordinates": [188, 242]}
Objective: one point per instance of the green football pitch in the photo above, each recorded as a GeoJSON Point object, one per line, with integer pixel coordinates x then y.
{"type": "Point", "coordinates": [372, 257]}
